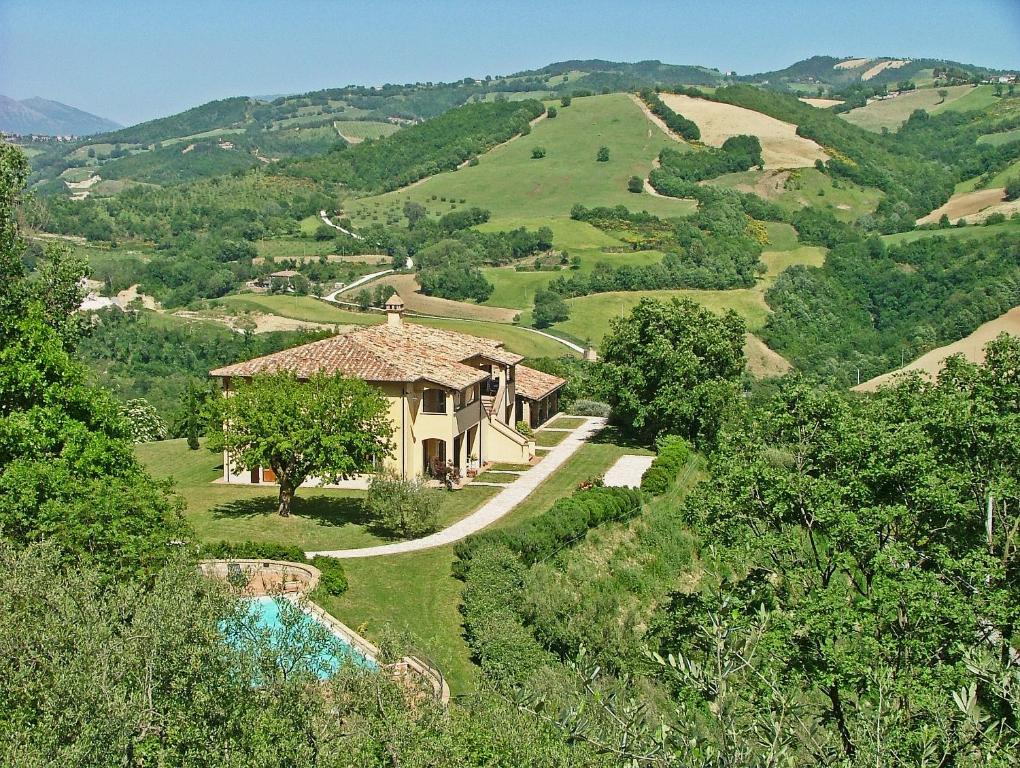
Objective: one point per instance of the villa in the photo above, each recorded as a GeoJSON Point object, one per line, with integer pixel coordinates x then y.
{"type": "Point", "coordinates": [453, 398]}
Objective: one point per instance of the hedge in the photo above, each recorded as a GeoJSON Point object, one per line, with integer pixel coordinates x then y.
{"type": "Point", "coordinates": [567, 520]}
{"type": "Point", "coordinates": [664, 470]}
{"type": "Point", "coordinates": [333, 581]}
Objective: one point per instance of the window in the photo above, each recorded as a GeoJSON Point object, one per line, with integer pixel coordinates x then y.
{"type": "Point", "coordinates": [434, 401]}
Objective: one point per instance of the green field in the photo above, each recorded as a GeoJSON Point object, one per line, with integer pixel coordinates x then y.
{"type": "Point", "coordinates": [1012, 226]}
{"type": "Point", "coordinates": [296, 307]}
{"type": "Point", "coordinates": [568, 234]}
{"type": "Point", "coordinates": [292, 247]}
{"type": "Point", "coordinates": [808, 186]}
{"type": "Point", "coordinates": [364, 129]}
{"type": "Point", "coordinates": [981, 97]}
{"type": "Point", "coordinates": [516, 290]}
{"type": "Point", "coordinates": [508, 182]}
{"type": "Point", "coordinates": [1012, 171]}
{"type": "Point", "coordinates": [998, 139]}
{"type": "Point", "coordinates": [312, 310]}
{"type": "Point", "coordinates": [892, 113]}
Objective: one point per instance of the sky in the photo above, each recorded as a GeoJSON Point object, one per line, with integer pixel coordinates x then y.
{"type": "Point", "coordinates": [135, 60]}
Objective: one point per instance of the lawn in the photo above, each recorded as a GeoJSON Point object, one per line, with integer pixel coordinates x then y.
{"type": "Point", "coordinates": [509, 183]}
{"type": "Point", "coordinates": [545, 439]}
{"type": "Point", "coordinates": [416, 594]}
{"type": "Point", "coordinates": [322, 518]}
{"type": "Point", "coordinates": [567, 422]}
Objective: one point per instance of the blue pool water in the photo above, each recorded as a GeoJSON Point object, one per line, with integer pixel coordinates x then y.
{"type": "Point", "coordinates": [326, 659]}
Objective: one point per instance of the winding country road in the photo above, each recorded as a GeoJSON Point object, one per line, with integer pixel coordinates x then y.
{"type": "Point", "coordinates": [499, 505]}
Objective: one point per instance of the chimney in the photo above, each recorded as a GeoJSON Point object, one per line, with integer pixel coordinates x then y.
{"type": "Point", "coordinates": [394, 310]}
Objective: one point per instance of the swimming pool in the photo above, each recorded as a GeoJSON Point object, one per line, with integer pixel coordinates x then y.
{"type": "Point", "coordinates": [302, 635]}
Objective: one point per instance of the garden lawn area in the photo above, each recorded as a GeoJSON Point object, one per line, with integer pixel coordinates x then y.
{"type": "Point", "coordinates": [546, 439]}
{"type": "Point", "coordinates": [496, 477]}
{"type": "Point", "coordinates": [321, 519]}
{"type": "Point", "coordinates": [513, 467]}
{"type": "Point", "coordinates": [416, 594]}
{"type": "Point", "coordinates": [509, 183]}
{"type": "Point", "coordinates": [567, 422]}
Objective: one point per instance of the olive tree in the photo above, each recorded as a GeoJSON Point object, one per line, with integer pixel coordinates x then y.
{"type": "Point", "coordinates": [328, 427]}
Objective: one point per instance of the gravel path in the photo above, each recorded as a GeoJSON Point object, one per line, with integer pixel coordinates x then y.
{"type": "Point", "coordinates": [492, 510]}
{"type": "Point", "coordinates": [627, 471]}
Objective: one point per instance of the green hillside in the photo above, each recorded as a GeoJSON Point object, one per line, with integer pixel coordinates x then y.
{"type": "Point", "coordinates": [508, 182]}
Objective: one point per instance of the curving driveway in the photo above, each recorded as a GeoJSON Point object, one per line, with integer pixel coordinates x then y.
{"type": "Point", "coordinates": [492, 510]}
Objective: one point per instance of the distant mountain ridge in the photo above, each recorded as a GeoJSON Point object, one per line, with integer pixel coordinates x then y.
{"type": "Point", "coordinates": [51, 118]}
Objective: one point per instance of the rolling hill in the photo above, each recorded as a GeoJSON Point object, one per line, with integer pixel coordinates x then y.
{"type": "Point", "coordinates": [50, 118]}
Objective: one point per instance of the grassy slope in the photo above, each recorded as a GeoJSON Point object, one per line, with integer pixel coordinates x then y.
{"type": "Point", "coordinates": [965, 233]}
{"type": "Point", "coordinates": [511, 184]}
{"type": "Point", "coordinates": [322, 518]}
{"type": "Point", "coordinates": [892, 113]}
{"type": "Point", "coordinates": [415, 593]}
{"type": "Point", "coordinates": [312, 310]}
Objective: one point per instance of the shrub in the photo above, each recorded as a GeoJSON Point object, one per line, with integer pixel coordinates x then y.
{"type": "Point", "coordinates": [1013, 189]}
{"type": "Point", "coordinates": [551, 112]}
{"type": "Point", "coordinates": [565, 101]}
{"type": "Point", "coordinates": [407, 507]}
{"type": "Point", "coordinates": [603, 155]}
{"type": "Point", "coordinates": [524, 428]}
{"type": "Point", "coordinates": [635, 184]}
{"type": "Point", "coordinates": [537, 153]}
{"type": "Point", "coordinates": [590, 408]}
{"type": "Point", "coordinates": [146, 424]}
{"type": "Point", "coordinates": [251, 550]}
{"type": "Point", "coordinates": [673, 453]}
{"type": "Point", "coordinates": [334, 580]}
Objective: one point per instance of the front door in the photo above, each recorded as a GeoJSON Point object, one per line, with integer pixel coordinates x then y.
{"type": "Point", "coordinates": [255, 475]}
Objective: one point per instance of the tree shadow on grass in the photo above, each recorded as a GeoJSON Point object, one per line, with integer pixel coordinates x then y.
{"type": "Point", "coordinates": [329, 511]}
{"type": "Point", "coordinates": [613, 435]}
{"type": "Point", "coordinates": [325, 510]}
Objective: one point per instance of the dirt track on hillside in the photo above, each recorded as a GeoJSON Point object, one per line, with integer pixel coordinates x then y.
{"type": "Point", "coordinates": [965, 205]}
{"type": "Point", "coordinates": [972, 347]}
{"type": "Point", "coordinates": [781, 146]}
{"type": "Point", "coordinates": [763, 362]}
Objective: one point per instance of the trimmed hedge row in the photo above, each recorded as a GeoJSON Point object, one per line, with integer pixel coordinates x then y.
{"type": "Point", "coordinates": [333, 581]}
{"type": "Point", "coordinates": [567, 519]}
{"type": "Point", "coordinates": [673, 455]}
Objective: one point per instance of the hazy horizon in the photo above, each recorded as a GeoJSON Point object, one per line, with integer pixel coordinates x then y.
{"type": "Point", "coordinates": [150, 60]}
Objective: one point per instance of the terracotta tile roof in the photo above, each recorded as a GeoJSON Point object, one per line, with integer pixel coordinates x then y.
{"type": "Point", "coordinates": [407, 353]}
{"type": "Point", "coordinates": [534, 385]}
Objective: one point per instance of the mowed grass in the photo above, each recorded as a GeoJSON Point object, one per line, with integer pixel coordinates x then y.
{"type": "Point", "coordinates": [321, 519]}
{"type": "Point", "coordinates": [416, 594]}
{"type": "Point", "coordinates": [978, 98]}
{"type": "Point", "coordinates": [546, 439]}
{"type": "Point", "coordinates": [568, 234]}
{"type": "Point", "coordinates": [509, 183]}
{"type": "Point", "coordinates": [892, 113]}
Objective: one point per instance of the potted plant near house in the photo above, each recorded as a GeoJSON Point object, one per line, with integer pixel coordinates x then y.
{"type": "Point", "coordinates": [472, 467]}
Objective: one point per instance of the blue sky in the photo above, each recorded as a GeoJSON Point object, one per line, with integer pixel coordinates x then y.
{"type": "Point", "coordinates": [135, 60]}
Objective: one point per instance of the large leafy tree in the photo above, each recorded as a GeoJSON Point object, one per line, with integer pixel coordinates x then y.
{"type": "Point", "coordinates": [851, 549]}
{"type": "Point", "coordinates": [328, 427]}
{"type": "Point", "coordinates": [67, 470]}
{"type": "Point", "coordinates": [672, 367]}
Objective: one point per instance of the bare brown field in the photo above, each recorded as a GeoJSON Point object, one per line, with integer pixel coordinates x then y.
{"type": "Point", "coordinates": [964, 205]}
{"type": "Point", "coordinates": [763, 362]}
{"type": "Point", "coordinates": [821, 103]}
{"type": "Point", "coordinates": [881, 67]}
{"type": "Point", "coordinates": [781, 146]}
{"type": "Point", "coordinates": [972, 347]}
{"type": "Point", "coordinates": [407, 287]}
{"type": "Point", "coordinates": [850, 64]}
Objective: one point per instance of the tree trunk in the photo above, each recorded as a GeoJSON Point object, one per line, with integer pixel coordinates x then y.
{"type": "Point", "coordinates": [286, 496]}
{"type": "Point", "coordinates": [840, 716]}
